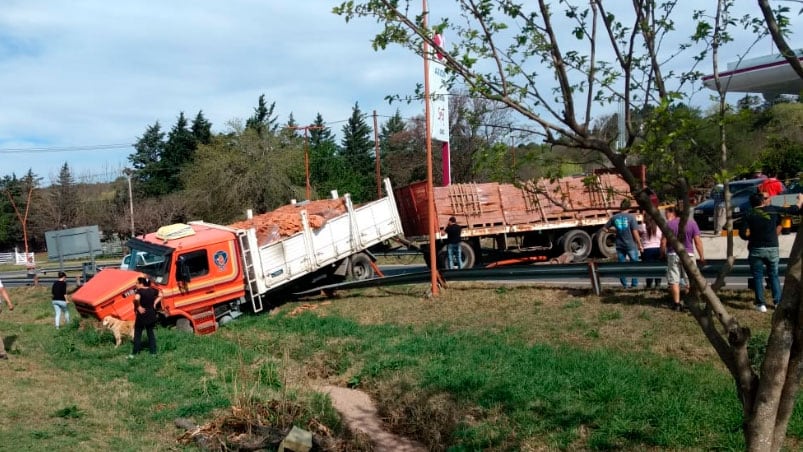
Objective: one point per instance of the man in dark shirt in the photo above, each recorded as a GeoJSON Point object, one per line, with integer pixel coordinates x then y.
{"type": "Point", "coordinates": [59, 300]}
{"type": "Point", "coordinates": [453, 253]}
{"type": "Point", "coordinates": [761, 227]}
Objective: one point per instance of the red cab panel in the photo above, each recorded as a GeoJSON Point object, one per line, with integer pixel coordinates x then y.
{"type": "Point", "coordinates": [110, 292]}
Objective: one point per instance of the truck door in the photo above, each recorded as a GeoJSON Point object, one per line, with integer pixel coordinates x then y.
{"type": "Point", "coordinates": [205, 277]}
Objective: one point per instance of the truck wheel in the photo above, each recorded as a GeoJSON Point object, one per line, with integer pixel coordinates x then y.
{"type": "Point", "coordinates": [606, 243]}
{"type": "Point", "coordinates": [468, 257]}
{"type": "Point", "coordinates": [361, 267]}
{"type": "Point", "coordinates": [578, 243]}
{"type": "Point", "coordinates": [184, 325]}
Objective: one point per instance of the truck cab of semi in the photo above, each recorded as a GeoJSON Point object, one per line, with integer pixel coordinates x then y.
{"type": "Point", "coordinates": [196, 267]}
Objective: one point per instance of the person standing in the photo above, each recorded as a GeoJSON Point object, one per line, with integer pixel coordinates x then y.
{"type": "Point", "coordinates": [59, 297]}
{"type": "Point", "coordinates": [628, 241]}
{"type": "Point", "coordinates": [651, 246]}
{"type": "Point", "coordinates": [453, 252]}
{"type": "Point", "coordinates": [761, 227]}
{"type": "Point", "coordinates": [690, 240]}
{"type": "Point", "coordinates": [146, 301]}
{"type": "Point", "coordinates": [4, 293]}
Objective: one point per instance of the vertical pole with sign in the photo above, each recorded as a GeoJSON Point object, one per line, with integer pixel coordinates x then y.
{"type": "Point", "coordinates": [433, 257]}
{"type": "Point", "coordinates": [439, 97]}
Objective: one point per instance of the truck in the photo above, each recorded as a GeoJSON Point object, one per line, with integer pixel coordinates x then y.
{"type": "Point", "coordinates": [515, 223]}
{"type": "Point", "coordinates": [210, 274]}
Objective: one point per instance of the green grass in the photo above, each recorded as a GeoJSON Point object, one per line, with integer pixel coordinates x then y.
{"type": "Point", "coordinates": [543, 391]}
{"type": "Point", "coordinates": [444, 383]}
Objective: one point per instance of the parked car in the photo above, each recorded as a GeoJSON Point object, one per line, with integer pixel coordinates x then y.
{"type": "Point", "coordinates": [740, 203]}
{"type": "Point", "coordinates": [143, 260]}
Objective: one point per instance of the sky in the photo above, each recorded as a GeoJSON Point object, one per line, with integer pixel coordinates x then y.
{"type": "Point", "coordinates": [81, 80]}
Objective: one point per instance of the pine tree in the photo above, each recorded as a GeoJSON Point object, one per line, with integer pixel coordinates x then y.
{"type": "Point", "coordinates": [148, 178]}
{"type": "Point", "coordinates": [263, 120]}
{"type": "Point", "coordinates": [65, 199]}
{"type": "Point", "coordinates": [357, 149]}
{"type": "Point", "coordinates": [325, 165]}
{"type": "Point", "coordinates": [402, 157]}
{"type": "Point", "coordinates": [179, 151]}
{"type": "Point", "coordinates": [201, 129]}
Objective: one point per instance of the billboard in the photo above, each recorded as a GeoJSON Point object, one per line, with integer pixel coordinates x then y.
{"type": "Point", "coordinates": [74, 243]}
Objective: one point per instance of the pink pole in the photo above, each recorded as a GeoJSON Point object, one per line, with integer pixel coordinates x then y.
{"type": "Point", "coordinates": [447, 164]}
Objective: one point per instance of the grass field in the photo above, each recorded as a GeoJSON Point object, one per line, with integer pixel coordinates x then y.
{"type": "Point", "coordinates": [480, 367]}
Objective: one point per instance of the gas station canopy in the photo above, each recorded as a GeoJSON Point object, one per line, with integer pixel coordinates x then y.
{"type": "Point", "coordinates": [770, 75]}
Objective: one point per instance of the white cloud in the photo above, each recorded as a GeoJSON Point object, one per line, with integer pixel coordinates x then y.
{"type": "Point", "coordinates": [89, 72]}
{"type": "Point", "coordinates": [98, 72]}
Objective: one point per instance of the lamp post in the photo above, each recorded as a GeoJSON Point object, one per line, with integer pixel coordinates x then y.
{"type": "Point", "coordinates": [128, 173]}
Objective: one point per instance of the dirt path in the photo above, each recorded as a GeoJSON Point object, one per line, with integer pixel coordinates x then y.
{"type": "Point", "coordinates": [359, 413]}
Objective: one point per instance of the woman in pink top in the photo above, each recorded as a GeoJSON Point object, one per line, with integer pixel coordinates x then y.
{"type": "Point", "coordinates": [651, 244]}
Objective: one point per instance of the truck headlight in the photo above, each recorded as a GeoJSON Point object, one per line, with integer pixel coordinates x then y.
{"type": "Point", "coordinates": [698, 212]}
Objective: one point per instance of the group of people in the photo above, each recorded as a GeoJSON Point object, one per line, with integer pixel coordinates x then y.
{"type": "Point", "coordinates": [146, 304]}
{"type": "Point", "coordinates": [646, 243]}
{"type": "Point", "coordinates": [760, 227]}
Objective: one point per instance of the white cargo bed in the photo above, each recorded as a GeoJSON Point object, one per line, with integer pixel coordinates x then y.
{"type": "Point", "coordinates": [310, 250]}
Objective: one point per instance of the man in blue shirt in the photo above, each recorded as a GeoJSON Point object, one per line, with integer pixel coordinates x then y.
{"type": "Point", "coordinates": [628, 241]}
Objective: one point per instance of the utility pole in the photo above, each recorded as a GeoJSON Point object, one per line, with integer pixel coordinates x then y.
{"type": "Point", "coordinates": [306, 151]}
{"type": "Point", "coordinates": [433, 257]}
{"type": "Point", "coordinates": [378, 161]}
{"type": "Point", "coordinates": [128, 173]}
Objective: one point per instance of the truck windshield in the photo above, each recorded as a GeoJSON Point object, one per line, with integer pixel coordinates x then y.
{"type": "Point", "coordinates": [150, 263]}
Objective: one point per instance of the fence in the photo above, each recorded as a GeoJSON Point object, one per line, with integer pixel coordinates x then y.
{"type": "Point", "coordinates": [17, 258]}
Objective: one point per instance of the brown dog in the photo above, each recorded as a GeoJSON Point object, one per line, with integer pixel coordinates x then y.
{"type": "Point", "coordinates": [120, 329]}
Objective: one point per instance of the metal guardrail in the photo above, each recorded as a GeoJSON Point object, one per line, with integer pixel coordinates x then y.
{"type": "Point", "coordinates": [591, 270]}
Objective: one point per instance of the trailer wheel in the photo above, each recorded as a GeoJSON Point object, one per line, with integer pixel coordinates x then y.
{"type": "Point", "coordinates": [578, 243]}
{"type": "Point", "coordinates": [468, 257]}
{"type": "Point", "coordinates": [606, 243]}
{"type": "Point", "coordinates": [361, 267]}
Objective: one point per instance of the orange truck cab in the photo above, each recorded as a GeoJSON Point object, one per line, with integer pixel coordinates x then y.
{"type": "Point", "coordinates": [197, 268]}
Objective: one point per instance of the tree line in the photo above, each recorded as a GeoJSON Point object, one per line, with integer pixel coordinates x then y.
{"type": "Point", "coordinates": [191, 172]}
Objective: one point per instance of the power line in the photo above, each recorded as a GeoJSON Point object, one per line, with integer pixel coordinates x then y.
{"type": "Point", "coordinates": [78, 148]}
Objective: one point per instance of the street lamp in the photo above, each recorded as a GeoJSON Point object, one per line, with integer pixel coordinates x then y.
{"type": "Point", "coordinates": [128, 173]}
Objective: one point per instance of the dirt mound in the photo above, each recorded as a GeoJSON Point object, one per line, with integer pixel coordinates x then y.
{"type": "Point", "coordinates": [286, 220]}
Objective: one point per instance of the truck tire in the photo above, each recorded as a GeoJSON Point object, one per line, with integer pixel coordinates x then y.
{"type": "Point", "coordinates": [361, 267]}
{"type": "Point", "coordinates": [606, 243]}
{"type": "Point", "coordinates": [468, 257]}
{"type": "Point", "coordinates": [578, 243]}
{"type": "Point", "coordinates": [184, 325]}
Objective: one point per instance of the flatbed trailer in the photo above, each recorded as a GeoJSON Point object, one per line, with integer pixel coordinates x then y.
{"type": "Point", "coordinates": [502, 221]}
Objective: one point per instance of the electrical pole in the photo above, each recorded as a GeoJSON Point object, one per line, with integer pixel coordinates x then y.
{"type": "Point", "coordinates": [378, 161]}
{"type": "Point", "coordinates": [306, 151]}
{"type": "Point", "coordinates": [128, 173]}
